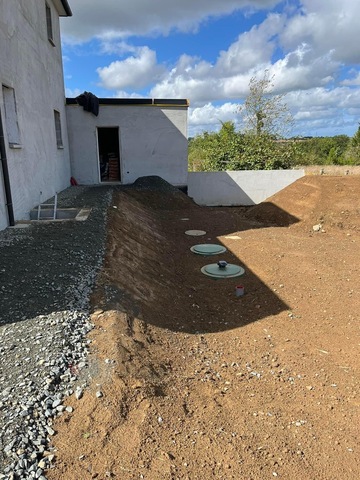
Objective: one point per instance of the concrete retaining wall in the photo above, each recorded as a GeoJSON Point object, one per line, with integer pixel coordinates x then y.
{"type": "Point", "coordinates": [246, 187]}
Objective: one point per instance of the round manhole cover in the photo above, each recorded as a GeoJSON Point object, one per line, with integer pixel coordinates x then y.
{"type": "Point", "coordinates": [230, 271]}
{"type": "Point", "coordinates": [195, 233]}
{"type": "Point", "coordinates": [208, 249]}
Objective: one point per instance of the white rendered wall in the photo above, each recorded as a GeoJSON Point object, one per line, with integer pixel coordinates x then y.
{"type": "Point", "coordinates": [32, 66]}
{"type": "Point", "coordinates": [245, 187]}
{"type": "Point", "coordinates": [153, 141]}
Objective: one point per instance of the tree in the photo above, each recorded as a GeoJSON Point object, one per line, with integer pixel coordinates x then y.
{"type": "Point", "coordinates": [352, 155]}
{"type": "Point", "coordinates": [216, 150]}
{"type": "Point", "coordinates": [355, 141]}
{"type": "Point", "coordinates": [264, 112]}
{"type": "Point", "coordinates": [266, 117]}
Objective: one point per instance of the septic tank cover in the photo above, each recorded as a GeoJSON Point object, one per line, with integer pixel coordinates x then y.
{"type": "Point", "coordinates": [195, 233]}
{"type": "Point", "coordinates": [208, 249]}
{"type": "Point", "coordinates": [230, 271]}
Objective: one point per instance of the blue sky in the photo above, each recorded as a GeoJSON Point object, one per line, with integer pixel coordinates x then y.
{"type": "Point", "coordinates": [208, 50]}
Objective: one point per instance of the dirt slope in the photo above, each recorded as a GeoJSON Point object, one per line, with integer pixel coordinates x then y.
{"type": "Point", "coordinates": [197, 383]}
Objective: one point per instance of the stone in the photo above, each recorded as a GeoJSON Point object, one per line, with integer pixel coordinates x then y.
{"type": "Point", "coordinates": [79, 393]}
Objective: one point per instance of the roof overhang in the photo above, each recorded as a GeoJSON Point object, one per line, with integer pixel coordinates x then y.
{"type": "Point", "coordinates": [156, 102]}
{"type": "Point", "coordinates": [63, 8]}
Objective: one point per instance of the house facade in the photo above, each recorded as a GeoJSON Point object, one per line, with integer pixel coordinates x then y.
{"type": "Point", "coordinates": [34, 146]}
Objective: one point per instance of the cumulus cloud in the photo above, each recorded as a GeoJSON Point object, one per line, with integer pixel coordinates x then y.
{"type": "Point", "coordinates": [355, 80]}
{"type": "Point", "coordinates": [210, 117]}
{"type": "Point", "coordinates": [305, 64]}
{"type": "Point", "coordinates": [121, 19]}
{"type": "Point", "coordinates": [323, 110]}
{"type": "Point", "coordinates": [252, 48]}
{"type": "Point", "coordinates": [135, 71]}
{"type": "Point", "coordinates": [210, 114]}
{"type": "Point", "coordinates": [229, 76]}
{"type": "Point", "coordinates": [72, 93]}
{"type": "Point", "coordinates": [326, 26]}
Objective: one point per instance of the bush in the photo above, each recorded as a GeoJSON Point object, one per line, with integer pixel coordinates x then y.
{"type": "Point", "coordinates": [230, 150]}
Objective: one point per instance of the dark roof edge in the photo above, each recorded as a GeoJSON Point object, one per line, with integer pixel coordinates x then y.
{"type": "Point", "coordinates": [166, 102]}
{"type": "Point", "coordinates": [67, 8]}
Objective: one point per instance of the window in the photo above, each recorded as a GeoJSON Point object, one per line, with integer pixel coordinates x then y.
{"type": "Point", "coordinates": [49, 25]}
{"type": "Point", "coordinates": [57, 119]}
{"type": "Point", "coordinates": [11, 121]}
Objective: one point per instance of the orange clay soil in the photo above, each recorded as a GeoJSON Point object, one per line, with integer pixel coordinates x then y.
{"type": "Point", "coordinates": [198, 383]}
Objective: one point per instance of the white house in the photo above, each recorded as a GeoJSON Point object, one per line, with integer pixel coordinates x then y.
{"type": "Point", "coordinates": [128, 138]}
{"type": "Point", "coordinates": [33, 132]}
{"type": "Point", "coordinates": [44, 142]}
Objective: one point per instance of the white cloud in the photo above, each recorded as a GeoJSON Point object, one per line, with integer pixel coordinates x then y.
{"type": "Point", "coordinates": [229, 76]}
{"type": "Point", "coordinates": [303, 66]}
{"type": "Point", "coordinates": [311, 100]}
{"type": "Point", "coordinates": [355, 80]}
{"type": "Point", "coordinates": [135, 71]}
{"type": "Point", "coordinates": [209, 114]}
{"type": "Point", "coordinates": [209, 117]}
{"type": "Point", "coordinates": [299, 70]}
{"type": "Point", "coordinates": [252, 48]}
{"type": "Point", "coordinates": [326, 26]}
{"type": "Point", "coordinates": [322, 111]}
{"type": "Point", "coordinates": [125, 94]}
{"type": "Point", "coordinates": [72, 93]}
{"type": "Point", "coordinates": [121, 19]}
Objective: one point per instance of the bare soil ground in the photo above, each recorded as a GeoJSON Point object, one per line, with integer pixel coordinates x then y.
{"type": "Point", "coordinates": [198, 383]}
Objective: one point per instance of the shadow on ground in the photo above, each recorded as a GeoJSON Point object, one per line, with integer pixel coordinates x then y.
{"type": "Point", "coordinates": [150, 272]}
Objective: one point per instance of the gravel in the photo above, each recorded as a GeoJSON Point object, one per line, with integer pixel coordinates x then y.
{"type": "Point", "coordinates": [47, 273]}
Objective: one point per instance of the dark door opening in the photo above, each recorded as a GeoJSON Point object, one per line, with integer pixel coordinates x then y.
{"type": "Point", "coordinates": [109, 154]}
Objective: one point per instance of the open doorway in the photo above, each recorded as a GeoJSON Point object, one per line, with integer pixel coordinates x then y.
{"type": "Point", "coordinates": [109, 154]}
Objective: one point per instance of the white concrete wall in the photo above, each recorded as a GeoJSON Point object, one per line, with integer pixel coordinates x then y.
{"type": "Point", "coordinates": [153, 141]}
{"type": "Point", "coordinates": [245, 187]}
{"type": "Point", "coordinates": [32, 66]}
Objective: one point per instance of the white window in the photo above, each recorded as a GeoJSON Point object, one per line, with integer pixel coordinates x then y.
{"type": "Point", "coordinates": [11, 121]}
{"type": "Point", "coordinates": [57, 119]}
{"type": "Point", "coordinates": [49, 24]}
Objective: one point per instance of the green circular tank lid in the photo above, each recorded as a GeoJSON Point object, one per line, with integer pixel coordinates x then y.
{"type": "Point", "coordinates": [213, 270]}
{"type": "Point", "coordinates": [208, 249]}
{"type": "Point", "coordinates": [195, 233]}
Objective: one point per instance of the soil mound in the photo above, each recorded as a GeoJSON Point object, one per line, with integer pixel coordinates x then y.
{"type": "Point", "coordinates": [154, 182]}
{"type": "Point", "coordinates": [157, 193]}
{"type": "Point", "coordinates": [332, 202]}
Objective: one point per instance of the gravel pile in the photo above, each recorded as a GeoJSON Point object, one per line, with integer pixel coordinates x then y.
{"type": "Point", "coordinates": [47, 272]}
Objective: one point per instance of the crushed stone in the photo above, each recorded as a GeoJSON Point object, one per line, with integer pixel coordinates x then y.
{"type": "Point", "coordinates": [47, 273]}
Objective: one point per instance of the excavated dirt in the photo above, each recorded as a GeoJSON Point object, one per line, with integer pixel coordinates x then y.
{"type": "Point", "coordinates": [191, 381]}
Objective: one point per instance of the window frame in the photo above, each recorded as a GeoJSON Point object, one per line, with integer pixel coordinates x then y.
{"type": "Point", "coordinates": [49, 24]}
{"type": "Point", "coordinates": [58, 129]}
{"type": "Point", "coordinates": [11, 117]}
